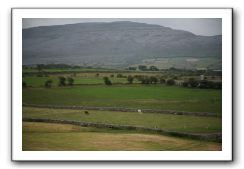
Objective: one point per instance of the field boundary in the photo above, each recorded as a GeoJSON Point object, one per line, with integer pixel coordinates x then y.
{"type": "Point", "coordinates": [121, 109]}
{"type": "Point", "coordinates": [217, 137]}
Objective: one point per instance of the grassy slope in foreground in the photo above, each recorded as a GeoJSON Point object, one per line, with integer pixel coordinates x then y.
{"type": "Point", "coordinates": [57, 137]}
{"type": "Point", "coordinates": [136, 96]}
{"type": "Point", "coordinates": [181, 123]}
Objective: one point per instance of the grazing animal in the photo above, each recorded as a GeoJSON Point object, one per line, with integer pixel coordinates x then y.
{"type": "Point", "coordinates": [139, 111]}
{"type": "Point", "coordinates": [86, 113]}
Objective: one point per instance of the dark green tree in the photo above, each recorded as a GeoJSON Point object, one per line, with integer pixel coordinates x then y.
{"type": "Point", "coordinates": [153, 79]}
{"type": "Point", "coordinates": [48, 83]}
{"type": "Point", "coordinates": [62, 81]}
{"type": "Point", "coordinates": [162, 80]}
{"type": "Point", "coordinates": [145, 80]}
{"type": "Point", "coordinates": [132, 68]}
{"type": "Point", "coordinates": [70, 81]}
{"type": "Point", "coordinates": [120, 75]}
{"type": "Point", "coordinates": [142, 67]}
{"type": "Point", "coordinates": [192, 82]}
{"type": "Point", "coordinates": [185, 84]}
{"type": "Point", "coordinates": [107, 81]}
{"type": "Point", "coordinates": [170, 82]}
{"type": "Point", "coordinates": [130, 79]}
{"type": "Point", "coordinates": [153, 68]}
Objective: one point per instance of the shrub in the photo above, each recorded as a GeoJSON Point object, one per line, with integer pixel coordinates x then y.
{"type": "Point", "coordinates": [170, 82]}
{"type": "Point", "coordinates": [146, 80]}
{"type": "Point", "coordinates": [132, 68]}
{"type": "Point", "coordinates": [48, 83]}
{"type": "Point", "coordinates": [153, 68]}
{"type": "Point", "coordinates": [62, 81]}
{"type": "Point", "coordinates": [70, 81]}
{"type": "Point", "coordinates": [107, 81]}
{"type": "Point", "coordinates": [153, 79]}
{"type": "Point", "coordinates": [120, 75]}
{"type": "Point", "coordinates": [142, 67]}
{"type": "Point", "coordinates": [192, 82]}
{"type": "Point", "coordinates": [130, 79]}
{"type": "Point", "coordinates": [205, 84]}
{"type": "Point", "coordinates": [185, 84]}
{"type": "Point", "coordinates": [162, 80]}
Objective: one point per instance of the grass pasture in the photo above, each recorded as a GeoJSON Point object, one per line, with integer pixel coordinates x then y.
{"type": "Point", "coordinates": [60, 137]}
{"type": "Point", "coordinates": [89, 90]}
{"type": "Point", "coordinates": [179, 123]}
{"type": "Point", "coordinates": [129, 96]}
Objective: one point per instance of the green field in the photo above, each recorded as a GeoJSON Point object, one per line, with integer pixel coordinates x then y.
{"type": "Point", "coordinates": [59, 137]}
{"type": "Point", "coordinates": [180, 123]}
{"type": "Point", "coordinates": [128, 96]}
{"type": "Point", "coordinates": [90, 91]}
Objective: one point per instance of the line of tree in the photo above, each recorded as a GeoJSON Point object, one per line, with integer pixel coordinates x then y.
{"type": "Point", "coordinates": [56, 66]}
{"type": "Point", "coordinates": [121, 75]}
{"type": "Point", "coordinates": [145, 68]}
{"type": "Point", "coordinates": [147, 79]}
{"type": "Point", "coordinates": [170, 82]}
{"type": "Point", "coordinates": [131, 68]}
{"type": "Point", "coordinates": [62, 81]}
{"type": "Point", "coordinates": [202, 84]}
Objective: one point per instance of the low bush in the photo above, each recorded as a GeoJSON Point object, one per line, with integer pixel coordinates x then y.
{"type": "Point", "coordinates": [170, 82]}
{"type": "Point", "coordinates": [70, 81]}
{"type": "Point", "coordinates": [62, 81]}
{"type": "Point", "coordinates": [107, 81]}
{"type": "Point", "coordinates": [48, 83]}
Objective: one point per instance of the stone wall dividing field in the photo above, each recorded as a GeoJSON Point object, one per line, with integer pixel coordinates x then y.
{"type": "Point", "coordinates": [121, 109]}
{"type": "Point", "coordinates": [217, 137]}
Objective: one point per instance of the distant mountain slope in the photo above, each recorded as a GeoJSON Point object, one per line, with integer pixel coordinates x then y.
{"type": "Point", "coordinates": [115, 44]}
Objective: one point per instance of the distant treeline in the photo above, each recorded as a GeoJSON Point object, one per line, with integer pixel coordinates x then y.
{"type": "Point", "coordinates": [173, 69]}
{"type": "Point", "coordinates": [43, 70]}
{"type": "Point", "coordinates": [191, 82]}
{"type": "Point", "coordinates": [58, 66]}
{"type": "Point", "coordinates": [51, 66]}
{"type": "Point", "coordinates": [144, 68]}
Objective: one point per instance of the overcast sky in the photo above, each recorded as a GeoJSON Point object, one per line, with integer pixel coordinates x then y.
{"type": "Point", "coordinates": [198, 26]}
